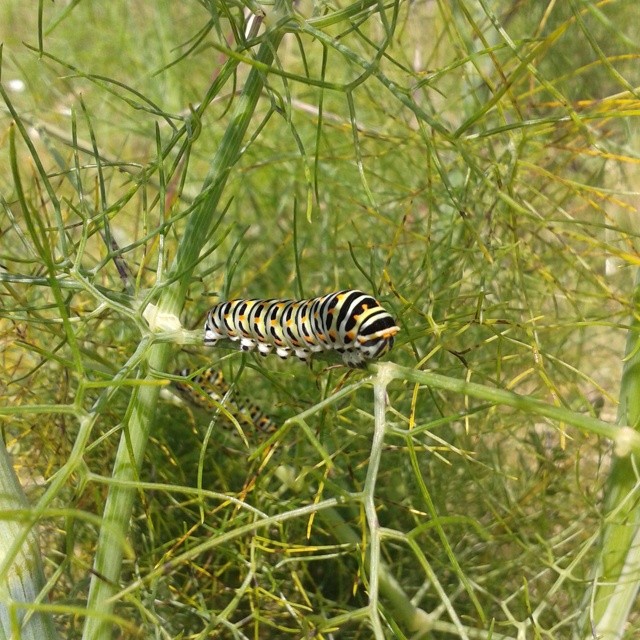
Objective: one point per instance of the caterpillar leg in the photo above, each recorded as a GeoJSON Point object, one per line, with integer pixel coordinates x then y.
{"type": "Point", "coordinates": [264, 349]}
{"type": "Point", "coordinates": [247, 344]}
{"type": "Point", "coordinates": [354, 359]}
{"type": "Point", "coordinates": [211, 337]}
{"type": "Point", "coordinates": [283, 352]}
{"type": "Point", "coordinates": [304, 355]}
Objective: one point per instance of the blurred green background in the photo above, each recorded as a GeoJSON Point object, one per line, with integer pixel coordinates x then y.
{"type": "Point", "coordinates": [474, 165]}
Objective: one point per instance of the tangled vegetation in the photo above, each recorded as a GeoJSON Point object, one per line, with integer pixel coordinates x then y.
{"type": "Point", "coordinates": [473, 166]}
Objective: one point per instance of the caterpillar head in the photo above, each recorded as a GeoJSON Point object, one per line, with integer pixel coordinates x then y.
{"type": "Point", "coordinates": [375, 337]}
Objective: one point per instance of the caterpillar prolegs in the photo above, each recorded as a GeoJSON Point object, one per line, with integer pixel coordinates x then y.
{"type": "Point", "coordinates": [350, 322]}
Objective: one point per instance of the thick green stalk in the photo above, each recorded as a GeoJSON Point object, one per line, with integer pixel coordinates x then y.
{"type": "Point", "coordinates": [625, 438]}
{"type": "Point", "coordinates": [117, 513]}
{"type": "Point", "coordinates": [379, 573]}
{"type": "Point", "coordinates": [23, 581]}
{"type": "Point", "coordinates": [617, 569]}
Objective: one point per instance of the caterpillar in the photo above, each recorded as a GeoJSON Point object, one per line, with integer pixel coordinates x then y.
{"type": "Point", "coordinates": [350, 322]}
{"type": "Point", "coordinates": [215, 387]}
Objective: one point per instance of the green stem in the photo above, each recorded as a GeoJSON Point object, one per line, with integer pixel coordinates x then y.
{"type": "Point", "coordinates": [117, 513]}
{"type": "Point", "coordinates": [616, 574]}
{"type": "Point", "coordinates": [624, 437]}
{"type": "Point", "coordinates": [22, 581]}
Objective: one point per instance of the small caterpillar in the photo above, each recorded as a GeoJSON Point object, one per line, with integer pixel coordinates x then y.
{"type": "Point", "coordinates": [212, 382]}
{"type": "Point", "coordinates": [350, 322]}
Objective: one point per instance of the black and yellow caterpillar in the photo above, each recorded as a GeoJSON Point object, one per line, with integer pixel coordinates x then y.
{"type": "Point", "coordinates": [211, 385]}
{"type": "Point", "coordinates": [350, 322]}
